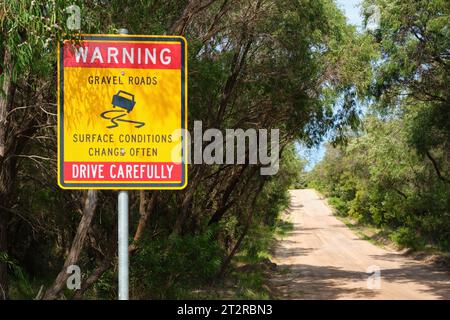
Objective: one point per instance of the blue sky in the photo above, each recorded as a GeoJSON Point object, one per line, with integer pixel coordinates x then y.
{"type": "Point", "coordinates": [351, 10]}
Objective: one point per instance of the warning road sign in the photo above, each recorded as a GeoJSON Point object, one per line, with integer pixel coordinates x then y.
{"type": "Point", "coordinates": [122, 111]}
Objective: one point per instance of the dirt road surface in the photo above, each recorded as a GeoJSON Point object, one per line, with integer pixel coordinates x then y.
{"type": "Point", "coordinates": [322, 259]}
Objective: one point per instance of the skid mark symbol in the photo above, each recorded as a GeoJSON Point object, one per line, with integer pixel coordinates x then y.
{"type": "Point", "coordinates": [117, 118]}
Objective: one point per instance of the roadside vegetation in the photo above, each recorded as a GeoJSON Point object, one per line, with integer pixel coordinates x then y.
{"type": "Point", "coordinates": [394, 173]}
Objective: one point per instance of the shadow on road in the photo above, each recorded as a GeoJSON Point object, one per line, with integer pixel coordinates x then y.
{"type": "Point", "coordinates": [306, 282]}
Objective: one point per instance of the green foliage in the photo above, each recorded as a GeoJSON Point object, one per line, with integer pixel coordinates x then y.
{"type": "Point", "coordinates": [379, 178]}
{"type": "Point", "coordinates": [251, 285]}
{"type": "Point", "coordinates": [340, 205]}
{"type": "Point", "coordinates": [170, 267]}
{"type": "Point", "coordinates": [405, 237]}
{"type": "Point", "coordinates": [23, 285]}
{"type": "Point", "coordinates": [412, 78]}
{"type": "Point", "coordinates": [30, 31]}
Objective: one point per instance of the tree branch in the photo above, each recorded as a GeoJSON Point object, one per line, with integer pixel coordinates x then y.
{"type": "Point", "coordinates": [77, 245]}
{"type": "Point", "coordinates": [436, 167]}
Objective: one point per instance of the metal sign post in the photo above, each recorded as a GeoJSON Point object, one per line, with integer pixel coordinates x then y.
{"type": "Point", "coordinates": [122, 230]}
{"type": "Point", "coordinates": [122, 103]}
{"type": "Point", "coordinates": [123, 244]}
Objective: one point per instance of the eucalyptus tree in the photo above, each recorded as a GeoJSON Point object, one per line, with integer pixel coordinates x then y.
{"type": "Point", "coordinates": [413, 73]}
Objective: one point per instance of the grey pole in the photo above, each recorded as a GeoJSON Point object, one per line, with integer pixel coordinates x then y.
{"type": "Point", "coordinates": [122, 206]}
{"type": "Point", "coordinates": [123, 244]}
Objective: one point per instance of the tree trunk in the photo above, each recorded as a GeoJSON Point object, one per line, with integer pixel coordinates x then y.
{"type": "Point", "coordinates": [6, 99]}
{"type": "Point", "coordinates": [188, 197]}
{"type": "Point", "coordinates": [145, 211]}
{"type": "Point", "coordinates": [93, 277]}
{"type": "Point", "coordinates": [77, 245]}
{"type": "Point", "coordinates": [104, 265]}
{"type": "Point", "coordinates": [224, 205]}
{"type": "Point", "coordinates": [248, 223]}
{"type": "Point", "coordinates": [3, 249]}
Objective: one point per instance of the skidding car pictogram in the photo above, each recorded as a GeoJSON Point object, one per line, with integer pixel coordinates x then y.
{"type": "Point", "coordinates": [123, 102]}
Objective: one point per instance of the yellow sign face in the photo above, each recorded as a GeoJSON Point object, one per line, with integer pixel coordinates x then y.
{"type": "Point", "coordinates": [122, 112]}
